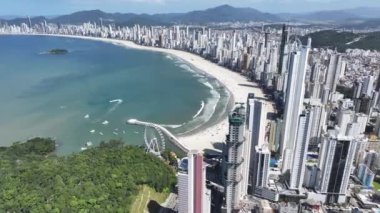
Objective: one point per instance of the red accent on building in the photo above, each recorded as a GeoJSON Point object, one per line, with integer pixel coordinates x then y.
{"type": "Point", "coordinates": [198, 183]}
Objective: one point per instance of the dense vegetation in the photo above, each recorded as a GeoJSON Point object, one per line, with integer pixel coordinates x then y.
{"type": "Point", "coordinates": [101, 179]}
{"type": "Point", "coordinates": [344, 40]}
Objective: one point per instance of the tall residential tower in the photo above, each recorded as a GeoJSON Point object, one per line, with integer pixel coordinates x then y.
{"type": "Point", "coordinates": [235, 160]}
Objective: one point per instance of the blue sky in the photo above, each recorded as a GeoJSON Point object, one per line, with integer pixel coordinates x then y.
{"type": "Point", "coordinates": [57, 7]}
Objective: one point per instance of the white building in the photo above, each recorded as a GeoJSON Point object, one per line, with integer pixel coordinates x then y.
{"type": "Point", "coordinates": [297, 170]}
{"type": "Point", "coordinates": [261, 168]}
{"type": "Point", "coordinates": [234, 165]}
{"type": "Point", "coordinates": [193, 196]}
{"type": "Point", "coordinates": [293, 102]}
{"type": "Point", "coordinates": [335, 162]}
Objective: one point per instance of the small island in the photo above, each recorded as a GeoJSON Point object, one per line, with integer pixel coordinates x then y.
{"type": "Point", "coordinates": [58, 51]}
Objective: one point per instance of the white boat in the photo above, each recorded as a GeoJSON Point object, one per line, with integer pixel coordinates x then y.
{"type": "Point", "coordinates": [86, 146]}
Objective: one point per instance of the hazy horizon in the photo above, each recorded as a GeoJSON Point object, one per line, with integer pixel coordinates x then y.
{"type": "Point", "coordinates": [61, 7]}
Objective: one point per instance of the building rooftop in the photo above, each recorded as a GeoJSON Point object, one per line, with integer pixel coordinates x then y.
{"type": "Point", "coordinates": [237, 116]}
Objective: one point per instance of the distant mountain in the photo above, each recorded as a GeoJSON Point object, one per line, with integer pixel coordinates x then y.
{"type": "Point", "coordinates": [364, 24]}
{"type": "Point", "coordinates": [344, 40]}
{"type": "Point", "coordinates": [224, 13]}
{"type": "Point", "coordinates": [334, 16]}
{"type": "Point", "coordinates": [84, 16]}
{"type": "Point", "coordinates": [365, 12]}
{"type": "Point", "coordinates": [8, 17]}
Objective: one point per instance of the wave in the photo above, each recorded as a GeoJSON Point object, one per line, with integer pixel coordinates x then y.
{"type": "Point", "coordinates": [207, 112]}
{"type": "Point", "coordinates": [208, 84]}
{"type": "Point", "coordinates": [187, 68]}
{"type": "Point", "coordinates": [169, 57]}
{"type": "Point", "coordinates": [117, 103]}
{"type": "Point", "coordinates": [200, 110]}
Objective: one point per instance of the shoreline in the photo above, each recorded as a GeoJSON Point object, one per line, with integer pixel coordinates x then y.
{"type": "Point", "coordinates": [211, 137]}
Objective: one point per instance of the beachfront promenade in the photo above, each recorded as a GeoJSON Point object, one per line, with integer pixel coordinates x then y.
{"type": "Point", "coordinates": [172, 138]}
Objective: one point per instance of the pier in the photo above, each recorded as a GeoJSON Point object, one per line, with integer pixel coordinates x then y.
{"type": "Point", "coordinates": [162, 130]}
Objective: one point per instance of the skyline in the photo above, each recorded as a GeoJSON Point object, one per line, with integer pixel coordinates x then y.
{"type": "Point", "coordinates": [60, 7]}
{"type": "Point", "coordinates": [277, 117]}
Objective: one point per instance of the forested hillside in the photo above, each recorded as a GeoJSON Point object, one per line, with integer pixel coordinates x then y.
{"type": "Point", "coordinates": [344, 40]}
{"type": "Point", "coordinates": [102, 179]}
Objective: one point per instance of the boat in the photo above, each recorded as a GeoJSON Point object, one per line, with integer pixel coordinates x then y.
{"type": "Point", "coordinates": [86, 146]}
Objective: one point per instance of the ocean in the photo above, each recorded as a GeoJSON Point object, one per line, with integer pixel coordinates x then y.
{"type": "Point", "coordinates": [90, 93]}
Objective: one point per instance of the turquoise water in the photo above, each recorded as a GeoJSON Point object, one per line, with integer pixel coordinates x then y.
{"type": "Point", "coordinates": [89, 94]}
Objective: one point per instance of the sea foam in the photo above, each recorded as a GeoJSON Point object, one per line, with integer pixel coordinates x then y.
{"type": "Point", "coordinates": [200, 110]}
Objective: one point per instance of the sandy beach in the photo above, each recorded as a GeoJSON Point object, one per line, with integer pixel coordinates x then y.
{"type": "Point", "coordinates": [238, 86]}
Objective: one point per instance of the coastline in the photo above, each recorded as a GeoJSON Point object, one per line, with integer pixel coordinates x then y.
{"type": "Point", "coordinates": [238, 86]}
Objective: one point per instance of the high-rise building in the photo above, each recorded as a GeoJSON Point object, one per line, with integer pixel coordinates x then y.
{"type": "Point", "coordinates": [368, 85]}
{"type": "Point", "coordinates": [344, 118]}
{"type": "Point", "coordinates": [311, 174]}
{"type": "Point", "coordinates": [362, 120]}
{"type": "Point", "coordinates": [193, 196]}
{"type": "Point", "coordinates": [234, 165]}
{"type": "Point", "coordinates": [297, 169]}
{"type": "Point", "coordinates": [295, 92]}
{"type": "Point", "coordinates": [249, 112]}
{"type": "Point", "coordinates": [365, 175]}
{"type": "Point", "coordinates": [284, 42]}
{"type": "Point", "coordinates": [334, 71]}
{"type": "Point", "coordinates": [335, 162]}
{"type": "Point", "coordinates": [316, 82]}
{"type": "Point", "coordinates": [261, 168]}
{"type": "Point", "coordinates": [372, 160]}
{"type": "Point", "coordinates": [258, 117]}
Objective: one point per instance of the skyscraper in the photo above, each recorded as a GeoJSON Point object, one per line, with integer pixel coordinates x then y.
{"type": "Point", "coordinates": [234, 165]}
{"type": "Point", "coordinates": [294, 96]}
{"type": "Point", "coordinates": [335, 162]}
{"type": "Point", "coordinates": [261, 167]}
{"type": "Point", "coordinates": [368, 84]}
{"type": "Point", "coordinates": [297, 170]}
{"type": "Point", "coordinates": [256, 129]}
{"type": "Point", "coordinates": [284, 41]}
{"type": "Point", "coordinates": [258, 118]}
{"type": "Point", "coordinates": [193, 196]}
{"type": "Point", "coordinates": [335, 68]}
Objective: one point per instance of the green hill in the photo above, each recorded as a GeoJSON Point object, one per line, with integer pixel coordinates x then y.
{"type": "Point", "coordinates": [107, 178]}
{"type": "Point", "coordinates": [344, 40]}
